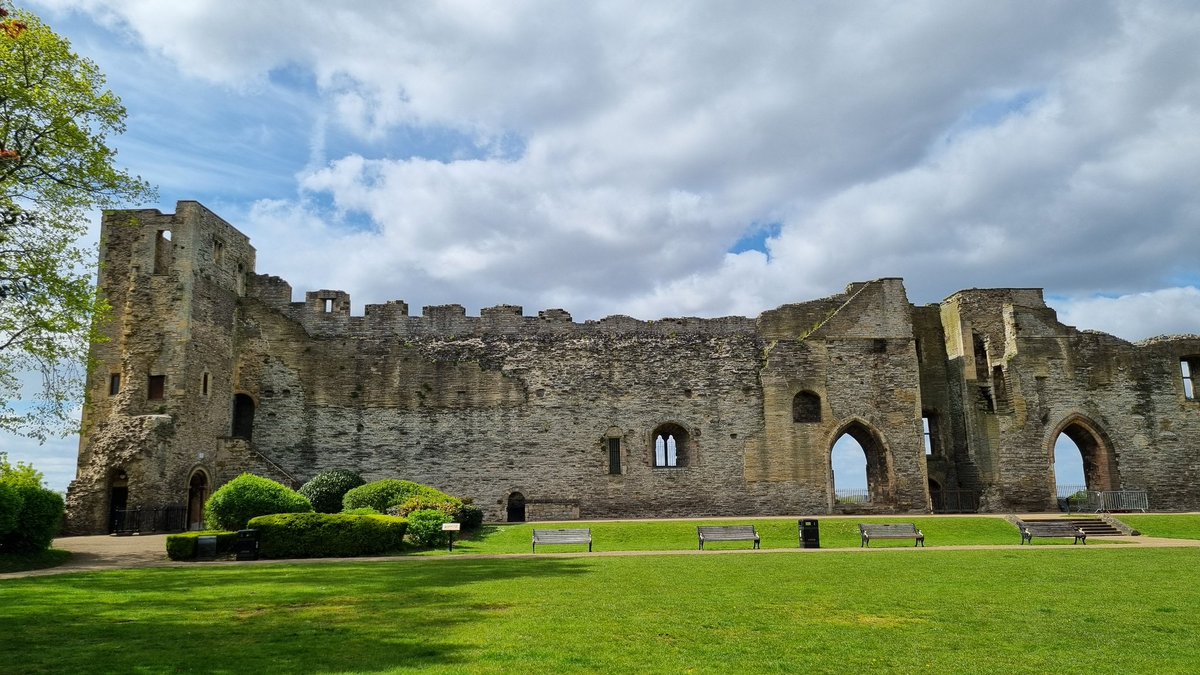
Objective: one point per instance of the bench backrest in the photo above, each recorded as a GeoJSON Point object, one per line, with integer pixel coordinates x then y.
{"type": "Point", "coordinates": [565, 534]}
{"type": "Point", "coordinates": [1044, 528]}
{"type": "Point", "coordinates": [716, 531]}
{"type": "Point", "coordinates": [888, 528]}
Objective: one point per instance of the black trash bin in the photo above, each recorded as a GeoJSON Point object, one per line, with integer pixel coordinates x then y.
{"type": "Point", "coordinates": [246, 546]}
{"type": "Point", "coordinates": [810, 535]}
{"type": "Point", "coordinates": [206, 547]}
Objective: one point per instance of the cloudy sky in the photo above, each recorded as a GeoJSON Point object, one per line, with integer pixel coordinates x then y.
{"type": "Point", "coordinates": [675, 158]}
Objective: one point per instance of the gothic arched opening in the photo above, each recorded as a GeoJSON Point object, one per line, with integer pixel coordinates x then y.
{"type": "Point", "coordinates": [1094, 468]}
{"type": "Point", "coordinates": [873, 485]}
{"type": "Point", "coordinates": [197, 495]}
{"type": "Point", "coordinates": [670, 446]}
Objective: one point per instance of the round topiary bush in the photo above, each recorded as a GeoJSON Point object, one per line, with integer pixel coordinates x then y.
{"type": "Point", "coordinates": [383, 494]}
{"type": "Point", "coordinates": [326, 489]}
{"type": "Point", "coordinates": [247, 496]}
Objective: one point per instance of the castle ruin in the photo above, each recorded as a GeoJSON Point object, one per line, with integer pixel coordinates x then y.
{"type": "Point", "coordinates": [211, 370]}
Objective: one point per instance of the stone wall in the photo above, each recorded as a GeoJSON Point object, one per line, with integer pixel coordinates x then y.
{"type": "Point", "coordinates": [501, 404]}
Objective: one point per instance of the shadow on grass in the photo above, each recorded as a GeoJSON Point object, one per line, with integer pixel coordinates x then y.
{"type": "Point", "coordinates": [273, 618]}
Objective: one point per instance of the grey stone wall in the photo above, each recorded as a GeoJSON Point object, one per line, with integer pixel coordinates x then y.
{"type": "Point", "coordinates": [501, 403]}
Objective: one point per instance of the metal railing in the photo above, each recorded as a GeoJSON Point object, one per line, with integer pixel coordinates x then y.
{"type": "Point", "coordinates": [955, 501]}
{"type": "Point", "coordinates": [1119, 500]}
{"type": "Point", "coordinates": [138, 520]}
{"type": "Point", "coordinates": [852, 496]}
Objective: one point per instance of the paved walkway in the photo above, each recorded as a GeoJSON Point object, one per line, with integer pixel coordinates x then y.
{"type": "Point", "coordinates": [103, 552]}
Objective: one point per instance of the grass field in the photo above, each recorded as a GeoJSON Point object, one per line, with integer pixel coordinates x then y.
{"type": "Point", "coordinates": [1171, 526]}
{"type": "Point", "coordinates": [1040, 609]}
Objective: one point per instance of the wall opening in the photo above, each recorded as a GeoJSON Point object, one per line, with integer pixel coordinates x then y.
{"type": "Point", "coordinates": [516, 508]}
{"type": "Point", "coordinates": [1083, 460]}
{"type": "Point", "coordinates": [218, 251]}
{"type": "Point", "coordinates": [204, 384]}
{"type": "Point", "coordinates": [806, 408]}
{"type": "Point", "coordinates": [156, 387]}
{"type": "Point", "coordinates": [859, 466]}
{"type": "Point", "coordinates": [163, 252]}
{"type": "Point", "coordinates": [114, 384]}
{"type": "Point", "coordinates": [614, 456]}
{"type": "Point", "coordinates": [929, 429]}
{"type": "Point", "coordinates": [981, 359]}
{"type": "Point", "coordinates": [197, 495]}
{"type": "Point", "coordinates": [670, 446]}
{"type": "Point", "coordinates": [1188, 367]}
{"type": "Point", "coordinates": [327, 305]}
{"type": "Point", "coordinates": [243, 416]}
{"type": "Point", "coordinates": [118, 499]}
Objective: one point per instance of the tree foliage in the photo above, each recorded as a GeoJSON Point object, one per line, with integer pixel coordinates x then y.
{"type": "Point", "coordinates": [56, 168]}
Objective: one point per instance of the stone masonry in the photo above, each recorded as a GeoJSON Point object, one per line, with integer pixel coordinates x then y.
{"type": "Point", "coordinates": [210, 370]}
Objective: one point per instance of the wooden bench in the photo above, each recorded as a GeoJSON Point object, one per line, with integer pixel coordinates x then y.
{"type": "Point", "coordinates": [727, 533]}
{"type": "Point", "coordinates": [891, 531]}
{"type": "Point", "coordinates": [579, 536]}
{"type": "Point", "coordinates": [1049, 528]}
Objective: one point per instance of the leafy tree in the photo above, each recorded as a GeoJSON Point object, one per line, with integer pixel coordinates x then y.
{"type": "Point", "coordinates": [56, 167]}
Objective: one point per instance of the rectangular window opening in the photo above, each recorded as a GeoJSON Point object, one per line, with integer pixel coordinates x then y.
{"type": "Point", "coordinates": [928, 425]}
{"type": "Point", "coordinates": [163, 252]}
{"type": "Point", "coordinates": [218, 250]}
{"type": "Point", "coordinates": [114, 384]}
{"type": "Point", "coordinates": [1189, 384]}
{"type": "Point", "coordinates": [614, 456]}
{"type": "Point", "coordinates": [157, 387]}
{"type": "Point", "coordinates": [327, 304]}
{"type": "Point", "coordinates": [204, 385]}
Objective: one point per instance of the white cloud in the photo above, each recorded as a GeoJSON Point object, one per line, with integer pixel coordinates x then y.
{"type": "Point", "coordinates": [1168, 311]}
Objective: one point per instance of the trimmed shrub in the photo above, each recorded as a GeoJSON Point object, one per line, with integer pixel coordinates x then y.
{"type": "Point", "coordinates": [447, 505]}
{"type": "Point", "coordinates": [364, 511]}
{"type": "Point", "coordinates": [384, 494]}
{"type": "Point", "coordinates": [425, 527]}
{"type": "Point", "coordinates": [327, 535]}
{"type": "Point", "coordinates": [326, 489]}
{"type": "Point", "coordinates": [247, 496]}
{"type": "Point", "coordinates": [38, 521]}
{"type": "Point", "coordinates": [470, 516]}
{"type": "Point", "coordinates": [183, 546]}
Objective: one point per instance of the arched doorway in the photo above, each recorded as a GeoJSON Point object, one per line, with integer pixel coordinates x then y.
{"type": "Point", "coordinates": [1083, 458]}
{"type": "Point", "coordinates": [875, 484]}
{"type": "Point", "coordinates": [516, 508]}
{"type": "Point", "coordinates": [197, 495]}
{"type": "Point", "coordinates": [243, 416]}
{"type": "Point", "coordinates": [118, 499]}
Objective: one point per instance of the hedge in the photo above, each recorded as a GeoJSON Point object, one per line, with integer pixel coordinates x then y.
{"type": "Point", "coordinates": [327, 535]}
{"type": "Point", "coordinates": [247, 496]}
{"type": "Point", "coordinates": [326, 489]}
{"type": "Point", "coordinates": [38, 518]}
{"type": "Point", "coordinates": [425, 527]}
{"type": "Point", "coordinates": [183, 546]}
{"type": "Point", "coordinates": [384, 494]}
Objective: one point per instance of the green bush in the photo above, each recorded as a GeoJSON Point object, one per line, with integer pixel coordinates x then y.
{"type": "Point", "coordinates": [364, 511]}
{"type": "Point", "coordinates": [247, 496]}
{"type": "Point", "coordinates": [327, 535]}
{"type": "Point", "coordinates": [425, 527]}
{"type": "Point", "coordinates": [38, 521]}
{"type": "Point", "coordinates": [470, 516]}
{"type": "Point", "coordinates": [183, 546]}
{"type": "Point", "coordinates": [383, 494]}
{"type": "Point", "coordinates": [446, 504]}
{"type": "Point", "coordinates": [326, 489]}
{"type": "Point", "coordinates": [10, 508]}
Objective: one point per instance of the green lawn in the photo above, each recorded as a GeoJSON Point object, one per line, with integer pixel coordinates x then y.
{"type": "Point", "coordinates": [1039, 609]}
{"type": "Point", "coordinates": [1177, 526]}
{"type": "Point", "coordinates": [775, 533]}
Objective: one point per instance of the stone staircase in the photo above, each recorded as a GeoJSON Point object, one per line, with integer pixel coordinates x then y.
{"type": "Point", "coordinates": [1094, 527]}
